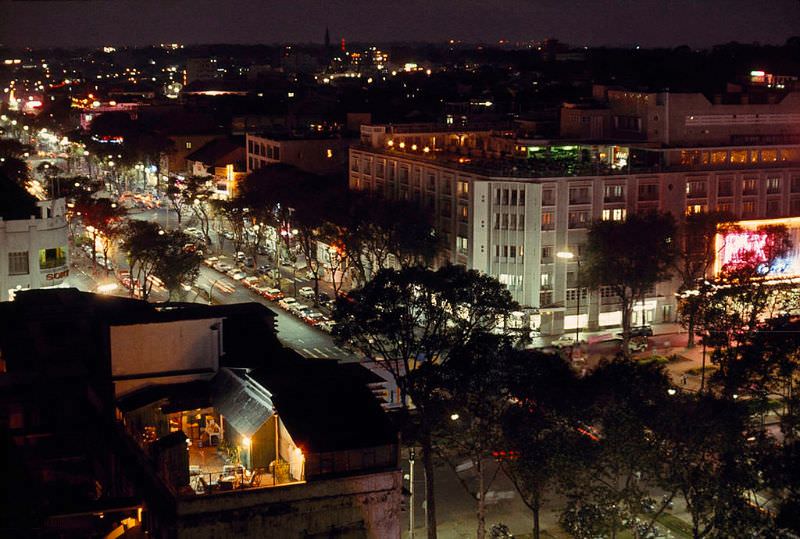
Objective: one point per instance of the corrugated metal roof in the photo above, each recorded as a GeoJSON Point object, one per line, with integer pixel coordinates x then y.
{"type": "Point", "coordinates": [245, 403]}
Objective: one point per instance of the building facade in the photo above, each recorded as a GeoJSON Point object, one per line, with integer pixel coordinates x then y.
{"type": "Point", "coordinates": [684, 118]}
{"type": "Point", "coordinates": [317, 155]}
{"type": "Point", "coordinates": [34, 252]}
{"type": "Point", "coordinates": [508, 215]}
{"type": "Point", "coordinates": [110, 431]}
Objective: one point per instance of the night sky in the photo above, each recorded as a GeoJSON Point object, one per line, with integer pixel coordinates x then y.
{"type": "Point", "coordinates": [579, 22]}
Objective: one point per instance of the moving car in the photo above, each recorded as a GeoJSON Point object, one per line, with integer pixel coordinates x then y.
{"type": "Point", "coordinates": [222, 267]}
{"type": "Point", "coordinates": [236, 274]}
{"type": "Point", "coordinates": [564, 340]}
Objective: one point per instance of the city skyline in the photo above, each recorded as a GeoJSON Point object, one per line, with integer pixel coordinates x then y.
{"type": "Point", "coordinates": [647, 23]}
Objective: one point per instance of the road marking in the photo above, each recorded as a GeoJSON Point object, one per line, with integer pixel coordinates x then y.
{"type": "Point", "coordinates": [307, 352]}
{"type": "Point", "coordinates": [320, 352]}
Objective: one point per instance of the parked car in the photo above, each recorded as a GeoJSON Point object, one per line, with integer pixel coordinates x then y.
{"type": "Point", "coordinates": [299, 309]}
{"type": "Point", "coordinates": [228, 235]}
{"type": "Point", "coordinates": [249, 262]}
{"type": "Point", "coordinates": [272, 294]}
{"type": "Point", "coordinates": [263, 269]}
{"type": "Point", "coordinates": [314, 317]}
{"type": "Point", "coordinates": [259, 288]}
{"type": "Point", "coordinates": [286, 303]}
{"type": "Point", "coordinates": [210, 261]}
{"type": "Point", "coordinates": [323, 298]}
{"type": "Point", "coordinates": [307, 292]}
{"type": "Point", "coordinates": [240, 255]}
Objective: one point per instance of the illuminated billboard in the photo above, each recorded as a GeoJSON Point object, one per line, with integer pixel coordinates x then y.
{"type": "Point", "coordinates": [749, 242]}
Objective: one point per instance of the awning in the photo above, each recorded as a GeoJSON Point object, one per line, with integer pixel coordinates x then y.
{"type": "Point", "coordinates": [245, 403]}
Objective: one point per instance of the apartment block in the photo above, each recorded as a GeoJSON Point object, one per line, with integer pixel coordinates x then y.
{"type": "Point", "coordinates": [506, 206]}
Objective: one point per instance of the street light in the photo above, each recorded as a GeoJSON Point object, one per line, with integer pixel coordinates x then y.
{"type": "Point", "coordinates": [566, 256]}
{"type": "Point", "coordinates": [411, 457]}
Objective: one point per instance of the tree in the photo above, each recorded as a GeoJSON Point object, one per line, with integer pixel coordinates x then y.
{"type": "Point", "coordinates": [140, 146]}
{"type": "Point", "coordinates": [230, 215]}
{"type": "Point", "coordinates": [178, 262]}
{"type": "Point", "coordinates": [539, 429]}
{"type": "Point", "coordinates": [197, 194]}
{"type": "Point", "coordinates": [267, 197]}
{"type": "Point", "coordinates": [142, 241]}
{"type": "Point", "coordinates": [337, 260]}
{"type": "Point", "coordinates": [12, 160]}
{"type": "Point", "coordinates": [744, 292]}
{"type": "Point", "coordinates": [615, 458]}
{"type": "Point", "coordinates": [630, 257]}
{"type": "Point", "coordinates": [101, 217]}
{"type": "Point", "coordinates": [406, 319]}
{"type": "Point", "coordinates": [175, 195]}
{"type": "Point", "coordinates": [382, 232]}
{"type": "Point", "coordinates": [770, 361]}
{"type": "Point", "coordinates": [705, 455]}
{"type": "Point", "coordinates": [695, 257]}
{"type": "Point", "coordinates": [476, 406]}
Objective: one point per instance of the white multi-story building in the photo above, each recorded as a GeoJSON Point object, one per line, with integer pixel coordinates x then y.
{"type": "Point", "coordinates": [504, 211]}
{"type": "Point", "coordinates": [34, 252]}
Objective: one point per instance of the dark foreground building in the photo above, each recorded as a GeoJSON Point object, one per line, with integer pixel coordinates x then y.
{"type": "Point", "coordinates": [118, 417]}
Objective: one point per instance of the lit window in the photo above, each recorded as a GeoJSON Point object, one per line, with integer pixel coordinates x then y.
{"type": "Point", "coordinates": [52, 258]}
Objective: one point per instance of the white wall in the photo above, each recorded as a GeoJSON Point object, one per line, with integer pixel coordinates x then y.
{"type": "Point", "coordinates": [144, 350]}
{"type": "Point", "coordinates": [31, 235]}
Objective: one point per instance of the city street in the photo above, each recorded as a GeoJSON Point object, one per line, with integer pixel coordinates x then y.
{"type": "Point", "coordinates": [293, 332]}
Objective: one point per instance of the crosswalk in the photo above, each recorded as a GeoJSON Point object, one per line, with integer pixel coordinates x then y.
{"type": "Point", "coordinates": [328, 352]}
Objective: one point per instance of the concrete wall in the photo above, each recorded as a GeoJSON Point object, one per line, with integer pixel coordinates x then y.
{"type": "Point", "coordinates": [364, 506]}
{"type": "Point", "coordinates": [140, 351]}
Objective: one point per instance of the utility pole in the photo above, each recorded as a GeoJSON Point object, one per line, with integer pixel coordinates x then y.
{"type": "Point", "coordinates": [411, 456]}
{"type": "Point", "coordinates": [211, 291]}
